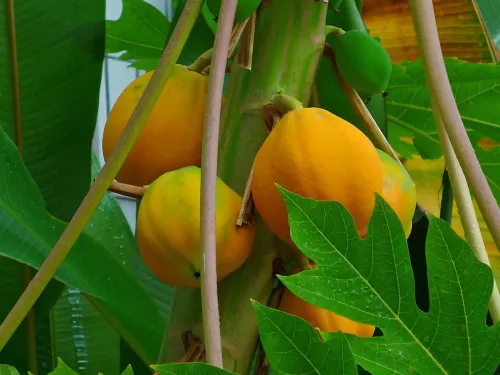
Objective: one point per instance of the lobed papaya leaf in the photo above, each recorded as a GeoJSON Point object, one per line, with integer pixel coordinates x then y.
{"type": "Point", "coordinates": [62, 369]}
{"type": "Point", "coordinates": [292, 345]}
{"type": "Point", "coordinates": [8, 370]}
{"type": "Point", "coordinates": [371, 281]}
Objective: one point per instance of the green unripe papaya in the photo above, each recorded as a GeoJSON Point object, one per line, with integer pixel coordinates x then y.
{"type": "Point", "coordinates": [362, 61]}
{"type": "Point", "coordinates": [243, 11]}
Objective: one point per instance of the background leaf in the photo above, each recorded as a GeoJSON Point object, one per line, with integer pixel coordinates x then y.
{"type": "Point", "coordinates": [57, 128]}
{"type": "Point", "coordinates": [412, 127]}
{"type": "Point", "coordinates": [490, 11]}
{"type": "Point", "coordinates": [292, 346]}
{"type": "Point", "coordinates": [140, 32]}
{"type": "Point", "coordinates": [371, 281]}
{"type": "Point", "coordinates": [28, 233]}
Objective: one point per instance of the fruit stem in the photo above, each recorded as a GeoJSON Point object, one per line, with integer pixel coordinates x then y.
{"type": "Point", "coordinates": [286, 103]}
{"type": "Point", "coordinates": [466, 210]}
{"type": "Point", "coordinates": [445, 108]}
{"type": "Point", "coordinates": [209, 298]}
{"type": "Point", "coordinates": [337, 31]}
{"type": "Point", "coordinates": [447, 199]}
{"type": "Point", "coordinates": [245, 215]}
{"type": "Point", "coordinates": [127, 190]}
{"type": "Point", "coordinates": [107, 174]}
{"type": "Point", "coordinates": [363, 113]}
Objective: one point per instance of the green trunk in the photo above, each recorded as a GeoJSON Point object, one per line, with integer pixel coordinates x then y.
{"type": "Point", "coordinates": [289, 40]}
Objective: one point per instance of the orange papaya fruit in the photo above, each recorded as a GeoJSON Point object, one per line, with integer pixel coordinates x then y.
{"type": "Point", "coordinates": [318, 155]}
{"type": "Point", "coordinates": [172, 136]}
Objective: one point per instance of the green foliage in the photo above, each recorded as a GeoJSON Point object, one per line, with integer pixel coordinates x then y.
{"type": "Point", "coordinates": [292, 346]}
{"type": "Point", "coordinates": [410, 113]}
{"type": "Point", "coordinates": [142, 32]}
{"type": "Point", "coordinates": [30, 232]}
{"type": "Point", "coordinates": [244, 9]}
{"type": "Point", "coordinates": [371, 281]}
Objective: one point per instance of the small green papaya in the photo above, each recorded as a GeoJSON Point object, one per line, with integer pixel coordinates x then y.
{"type": "Point", "coordinates": [362, 61]}
{"type": "Point", "coordinates": [243, 11]}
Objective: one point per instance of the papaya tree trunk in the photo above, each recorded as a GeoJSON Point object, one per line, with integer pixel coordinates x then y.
{"type": "Point", "coordinates": [289, 40]}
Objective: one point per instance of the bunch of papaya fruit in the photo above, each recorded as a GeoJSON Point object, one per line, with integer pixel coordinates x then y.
{"type": "Point", "coordinates": [309, 151]}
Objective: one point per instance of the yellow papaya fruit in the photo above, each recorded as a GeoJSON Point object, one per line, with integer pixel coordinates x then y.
{"type": "Point", "coordinates": [398, 190]}
{"type": "Point", "coordinates": [172, 135]}
{"type": "Point", "coordinates": [244, 9]}
{"type": "Point", "coordinates": [325, 320]}
{"type": "Point", "coordinates": [168, 228]}
{"type": "Point", "coordinates": [362, 61]}
{"type": "Point", "coordinates": [318, 155]}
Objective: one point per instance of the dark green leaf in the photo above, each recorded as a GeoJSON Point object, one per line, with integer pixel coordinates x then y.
{"type": "Point", "coordinates": [189, 369]}
{"type": "Point", "coordinates": [140, 32]}
{"type": "Point", "coordinates": [28, 233]}
{"type": "Point", "coordinates": [292, 346]}
{"type": "Point", "coordinates": [371, 281]}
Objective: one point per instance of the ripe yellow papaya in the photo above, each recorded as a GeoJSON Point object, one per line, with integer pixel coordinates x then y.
{"type": "Point", "coordinates": [324, 319]}
{"type": "Point", "coordinates": [168, 228]}
{"type": "Point", "coordinates": [244, 9]}
{"type": "Point", "coordinates": [318, 155]}
{"type": "Point", "coordinates": [398, 190]}
{"type": "Point", "coordinates": [172, 135]}
{"type": "Point", "coordinates": [362, 61]}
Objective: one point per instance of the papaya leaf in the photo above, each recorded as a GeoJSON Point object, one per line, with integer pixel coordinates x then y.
{"type": "Point", "coordinates": [140, 32]}
{"type": "Point", "coordinates": [62, 369]}
{"type": "Point", "coordinates": [8, 370]}
{"type": "Point", "coordinates": [128, 371]}
{"type": "Point", "coordinates": [189, 369]}
{"type": "Point", "coordinates": [28, 233]}
{"type": "Point", "coordinates": [292, 345]}
{"type": "Point", "coordinates": [371, 281]}
{"type": "Point", "coordinates": [475, 87]}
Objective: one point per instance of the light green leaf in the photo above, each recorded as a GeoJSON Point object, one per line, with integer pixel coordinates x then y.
{"type": "Point", "coordinates": [128, 371]}
{"type": "Point", "coordinates": [189, 369]}
{"type": "Point", "coordinates": [292, 346]}
{"type": "Point", "coordinates": [140, 32]}
{"type": "Point", "coordinates": [8, 370]}
{"type": "Point", "coordinates": [371, 281]}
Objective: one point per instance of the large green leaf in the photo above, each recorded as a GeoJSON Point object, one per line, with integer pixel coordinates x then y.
{"type": "Point", "coordinates": [490, 12]}
{"type": "Point", "coordinates": [142, 32]}
{"type": "Point", "coordinates": [190, 369]}
{"type": "Point", "coordinates": [371, 281]}
{"type": "Point", "coordinates": [292, 346]}
{"type": "Point", "coordinates": [28, 233]}
{"type": "Point", "coordinates": [410, 113]}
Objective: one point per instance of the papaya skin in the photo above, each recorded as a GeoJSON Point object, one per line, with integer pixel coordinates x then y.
{"type": "Point", "coordinates": [399, 190]}
{"type": "Point", "coordinates": [244, 9]}
{"type": "Point", "coordinates": [168, 229]}
{"type": "Point", "coordinates": [172, 136]}
{"type": "Point", "coordinates": [362, 61]}
{"type": "Point", "coordinates": [325, 320]}
{"type": "Point", "coordinates": [318, 155]}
